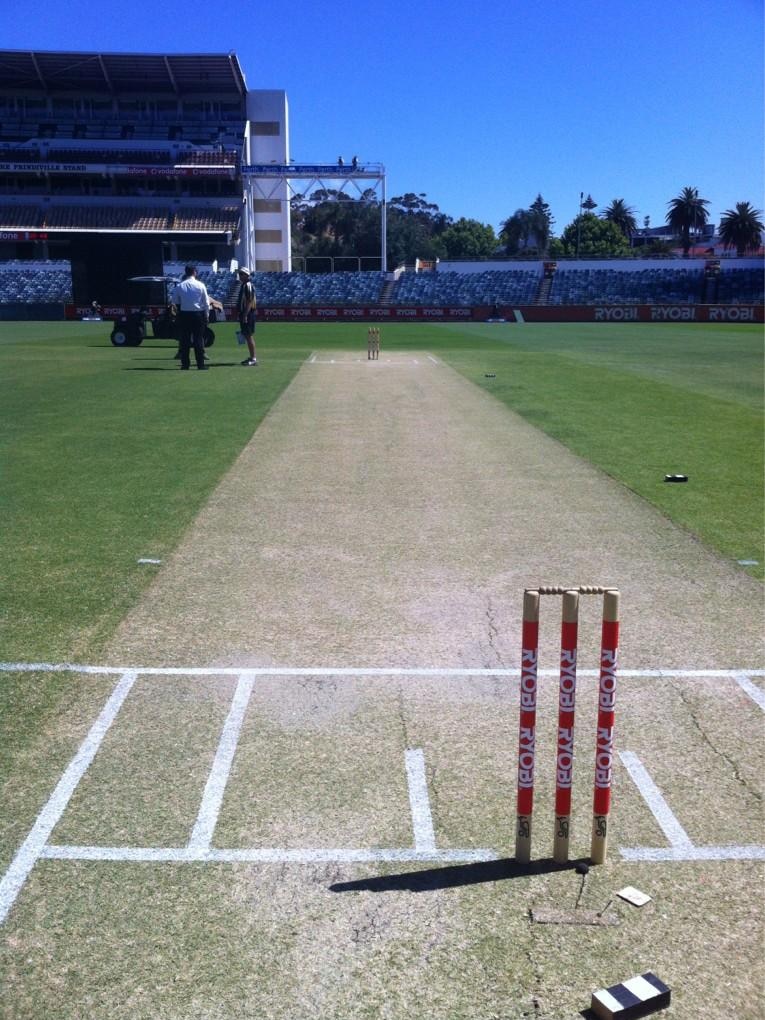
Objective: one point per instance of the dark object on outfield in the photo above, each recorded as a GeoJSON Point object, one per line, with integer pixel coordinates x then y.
{"type": "Point", "coordinates": [631, 999]}
{"type": "Point", "coordinates": [490, 375]}
{"type": "Point", "coordinates": [675, 478]}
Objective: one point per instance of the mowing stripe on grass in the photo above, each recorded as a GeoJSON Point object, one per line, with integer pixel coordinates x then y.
{"type": "Point", "coordinates": [32, 847]}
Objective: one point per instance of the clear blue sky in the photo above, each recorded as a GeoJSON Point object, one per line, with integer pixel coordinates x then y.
{"type": "Point", "coordinates": [483, 105]}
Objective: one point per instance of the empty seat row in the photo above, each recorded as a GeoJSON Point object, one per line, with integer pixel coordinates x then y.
{"type": "Point", "coordinates": [466, 289]}
{"type": "Point", "coordinates": [160, 157]}
{"type": "Point", "coordinates": [101, 217]}
{"type": "Point", "coordinates": [636, 286]}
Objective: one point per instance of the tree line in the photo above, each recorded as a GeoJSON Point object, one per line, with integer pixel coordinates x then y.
{"type": "Point", "coordinates": [331, 223]}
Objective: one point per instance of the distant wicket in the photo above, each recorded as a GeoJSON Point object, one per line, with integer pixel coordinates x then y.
{"type": "Point", "coordinates": [566, 713]}
{"type": "Point", "coordinates": [373, 343]}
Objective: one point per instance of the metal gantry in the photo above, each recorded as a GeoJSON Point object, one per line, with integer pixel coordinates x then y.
{"type": "Point", "coordinates": [267, 181]}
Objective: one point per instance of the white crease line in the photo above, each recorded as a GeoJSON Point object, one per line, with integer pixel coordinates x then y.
{"type": "Point", "coordinates": [755, 693]}
{"type": "Point", "coordinates": [353, 671]}
{"type": "Point", "coordinates": [256, 855]}
{"type": "Point", "coordinates": [32, 847]}
{"type": "Point", "coordinates": [207, 819]}
{"type": "Point", "coordinates": [670, 826]}
{"type": "Point", "coordinates": [422, 820]}
{"type": "Point", "coordinates": [694, 853]}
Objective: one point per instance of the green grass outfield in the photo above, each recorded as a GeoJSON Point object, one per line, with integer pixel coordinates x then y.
{"type": "Point", "coordinates": [108, 454]}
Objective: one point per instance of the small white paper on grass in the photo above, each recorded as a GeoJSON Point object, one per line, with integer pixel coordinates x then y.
{"type": "Point", "coordinates": [146, 560]}
{"type": "Point", "coordinates": [634, 896]}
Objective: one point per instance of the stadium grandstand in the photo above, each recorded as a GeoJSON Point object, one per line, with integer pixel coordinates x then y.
{"type": "Point", "coordinates": [117, 164]}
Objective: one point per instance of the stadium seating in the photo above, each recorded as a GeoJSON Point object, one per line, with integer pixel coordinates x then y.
{"type": "Point", "coordinates": [318, 288]}
{"type": "Point", "coordinates": [49, 285]}
{"type": "Point", "coordinates": [186, 218]}
{"type": "Point", "coordinates": [159, 157]}
{"type": "Point", "coordinates": [94, 217]}
{"type": "Point", "coordinates": [221, 286]}
{"type": "Point", "coordinates": [741, 286]}
{"type": "Point", "coordinates": [50, 282]}
{"type": "Point", "coordinates": [19, 217]}
{"type": "Point", "coordinates": [639, 286]}
{"type": "Point", "coordinates": [466, 289]}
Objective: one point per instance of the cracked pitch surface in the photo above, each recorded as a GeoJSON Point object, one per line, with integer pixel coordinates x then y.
{"type": "Point", "coordinates": [394, 519]}
{"type": "Point", "coordinates": [392, 516]}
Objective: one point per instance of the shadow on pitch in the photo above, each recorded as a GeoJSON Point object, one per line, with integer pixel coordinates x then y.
{"type": "Point", "coordinates": [452, 877]}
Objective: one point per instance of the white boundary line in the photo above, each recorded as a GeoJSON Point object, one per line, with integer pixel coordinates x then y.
{"type": "Point", "coordinates": [36, 847]}
{"type": "Point", "coordinates": [207, 819]}
{"type": "Point", "coordinates": [32, 848]}
{"type": "Point", "coordinates": [755, 693]}
{"type": "Point", "coordinates": [361, 361]}
{"type": "Point", "coordinates": [266, 855]}
{"type": "Point", "coordinates": [681, 847]}
{"type": "Point", "coordinates": [676, 835]}
{"type": "Point", "coordinates": [422, 820]}
{"type": "Point", "coordinates": [365, 671]}
{"type": "Point", "coordinates": [693, 853]}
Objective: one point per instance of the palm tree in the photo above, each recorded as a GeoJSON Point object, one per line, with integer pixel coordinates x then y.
{"type": "Point", "coordinates": [741, 228]}
{"type": "Point", "coordinates": [687, 213]}
{"type": "Point", "coordinates": [622, 215]}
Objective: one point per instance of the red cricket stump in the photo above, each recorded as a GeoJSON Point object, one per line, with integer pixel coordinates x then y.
{"type": "Point", "coordinates": [528, 725]}
{"type": "Point", "coordinates": [604, 749]}
{"type": "Point", "coordinates": [564, 771]}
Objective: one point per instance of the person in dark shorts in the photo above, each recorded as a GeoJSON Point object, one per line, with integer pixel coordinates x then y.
{"type": "Point", "coordinates": [245, 307]}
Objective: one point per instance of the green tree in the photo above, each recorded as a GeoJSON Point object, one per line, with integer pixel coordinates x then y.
{"type": "Point", "coordinates": [741, 228]}
{"type": "Point", "coordinates": [332, 223]}
{"type": "Point", "coordinates": [687, 215]}
{"type": "Point", "coordinates": [656, 248]}
{"type": "Point", "coordinates": [415, 227]}
{"type": "Point", "coordinates": [589, 235]}
{"type": "Point", "coordinates": [528, 230]}
{"type": "Point", "coordinates": [515, 232]}
{"type": "Point", "coordinates": [622, 215]}
{"type": "Point", "coordinates": [468, 239]}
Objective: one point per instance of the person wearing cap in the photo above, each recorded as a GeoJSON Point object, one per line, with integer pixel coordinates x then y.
{"type": "Point", "coordinates": [245, 307]}
{"type": "Point", "coordinates": [193, 302]}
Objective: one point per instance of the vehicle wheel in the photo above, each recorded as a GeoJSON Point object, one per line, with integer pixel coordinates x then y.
{"type": "Point", "coordinates": [119, 338]}
{"type": "Point", "coordinates": [135, 336]}
{"type": "Point", "coordinates": [209, 337]}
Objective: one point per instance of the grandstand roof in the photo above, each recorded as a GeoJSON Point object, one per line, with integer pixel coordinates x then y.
{"type": "Point", "coordinates": [120, 73]}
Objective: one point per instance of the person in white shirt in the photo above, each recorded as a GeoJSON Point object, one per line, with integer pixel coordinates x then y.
{"type": "Point", "coordinates": [193, 303]}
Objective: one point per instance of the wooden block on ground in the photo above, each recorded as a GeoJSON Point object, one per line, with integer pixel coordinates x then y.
{"type": "Point", "coordinates": [634, 998]}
